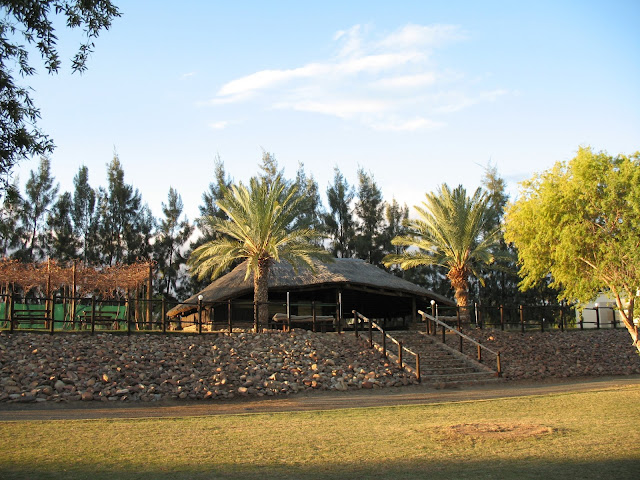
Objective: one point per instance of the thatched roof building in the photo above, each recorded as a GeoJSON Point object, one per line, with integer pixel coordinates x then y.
{"type": "Point", "coordinates": [359, 285]}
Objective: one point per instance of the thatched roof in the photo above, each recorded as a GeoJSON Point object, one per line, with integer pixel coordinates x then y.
{"type": "Point", "coordinates": [341, 273]}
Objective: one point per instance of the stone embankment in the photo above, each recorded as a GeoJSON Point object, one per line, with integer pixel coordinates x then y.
{"type": "Point", "coordinates": [40, 367]}
{"type": "Point", "coordinates": [555, 354]}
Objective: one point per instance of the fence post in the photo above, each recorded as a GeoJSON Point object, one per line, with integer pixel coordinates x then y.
{"type": "Point", "coordinates": [313, 315]}
{"type": "Point", "coordinates": [502, 317]}
{"type": "Point", "coordinates": [93, 315]}
{"type": "Point", "coordinates": [444, 340]}
{"type": "Point", "coordinates": [479, 353]}
{"type": "Point", "coordinates": [199, 314]}
{"type": "Point", "coordinates": [53, 314]}
{"type": "Point", "coordinates": [370, 334]}
{"type": "Point", "coordinates": [499, 364]}
{"type": "Point", "coordinates": [229, 315]}
{"type": "Point", "coordinates": [288, 313]}
{"type": "Point", "coordinates": [597, 317]}
{"type": "Point", "coordinates": [129, 312]}
{"type": "Point", "coordinates": [400, 354]}
{"type": "Point", "coordinates": [11, 307]}
{"type": "Point", "coordinates": [562, 318]}
{"type": "Point", "coordinates": [384, 343]}
{"type": "Point", "coordinates": [521, 318]}
{"type": "Point", "coordinates": [164, 315]}
{"type": "Point", "coordinates": [355, 323]}
{"type": "Point", "coordinates": [418, 367]}
{"type": "Point", "coordinates": [613, 312]}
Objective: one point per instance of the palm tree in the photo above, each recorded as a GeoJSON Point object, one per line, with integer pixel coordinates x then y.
{"type": "Point", "coordinates": [448, 234]}
{"type": "Point", "coordinates": [259, 229]}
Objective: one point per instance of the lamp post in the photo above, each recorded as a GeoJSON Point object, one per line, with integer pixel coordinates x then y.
{"type": "Point", "coordinates": [433, 314]}
{"type": "Point", "coordinates": [200, 297]}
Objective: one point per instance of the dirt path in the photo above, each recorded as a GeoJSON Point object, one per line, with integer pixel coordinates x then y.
{"type": "Point", "coordinates": [315, 400]}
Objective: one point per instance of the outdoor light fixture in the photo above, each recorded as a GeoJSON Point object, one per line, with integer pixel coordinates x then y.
{"type": "Point", "coordinates": [200, 297]}
{"type": "Point", "coordinates": [433, 302]}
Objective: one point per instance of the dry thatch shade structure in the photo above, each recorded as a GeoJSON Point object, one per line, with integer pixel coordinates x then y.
{"type": "Point", "coordinates": [362, 287]}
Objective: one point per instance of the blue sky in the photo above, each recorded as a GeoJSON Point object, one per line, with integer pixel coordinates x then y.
{"type": "Point", "coordinates": [418, 93]}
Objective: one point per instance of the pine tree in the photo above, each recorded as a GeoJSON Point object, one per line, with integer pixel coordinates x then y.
{"type": "Point", "coordinates": [125, 224]}
{"type": "Point", "coordinates": [338, 220]}
{"type": "Point", "coordinates": [82, 212]}
{"type": "Point", "coordinates": [173, 233]}
{"type": "Point", "coordinates": [62, 242]}
{"type": "Point", "coordinates": [312, 211]}
{"type": "Point", "coordinates": [40, 193]}
{"type": "Point", "coordinates": [369, 207]}
{"type": "Point", "coordinates": [11, 230]}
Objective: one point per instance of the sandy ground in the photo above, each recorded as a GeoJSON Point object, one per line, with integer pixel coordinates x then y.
{"type": "Point", "coordinates": [313, 400]}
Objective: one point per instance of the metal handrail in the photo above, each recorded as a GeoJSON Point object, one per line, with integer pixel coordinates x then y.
{"type": "Point", "coordinates": [426, 316]}
{"type": "Point", "coordinates": [385, 335]}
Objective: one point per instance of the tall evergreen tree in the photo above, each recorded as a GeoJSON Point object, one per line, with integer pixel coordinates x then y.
{"type": "Point", "coordinates": [40, 193]}
{"type": "Point", "coordinates": [82, 211]}
{"type": "Point", "coordinates": [208, 209]}
{"type": "Point", "coordinates": [172, 236]}
{"type": "Point", "coordinates": [369, 208]}
{"type": "Point", "coordinates": [395, 218]}
{"type": "Point", "coordinates": [11, 230]}
{"type": "Point", "coordinates": [312, 211]}
{"type": "Point", "coordinates": [62, 242]}
{"type": "Point", "coordinates": [125, 224]}
{"type": "Point", "coordinates": [338, 220]}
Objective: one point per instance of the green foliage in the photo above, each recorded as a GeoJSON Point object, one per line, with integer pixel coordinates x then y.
{"type": "Point", "coordinates": [125, 223]}
{"type": "Point", "coordinates": [173, 233]}
{"type": "Point", "coordinates": [62, 242]}
{"type": "Point", "coordinates": [82, 212]}
{"type": "Point", "coordinates": [448, 233]}
{"type": "Point", "coordinates": [339, 223]}
{"type": "Point", "coordinates": [40, 194]}
{"type": "Point", "coordinates": [369, 208]}
{"type": "Point", "coordinates": [580, 223]}
{"type": "Point", "coordinates": [34, 21]}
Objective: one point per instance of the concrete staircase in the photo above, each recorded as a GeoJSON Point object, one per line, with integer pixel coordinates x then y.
{"type": "Point", "coordinates": [440, 365]}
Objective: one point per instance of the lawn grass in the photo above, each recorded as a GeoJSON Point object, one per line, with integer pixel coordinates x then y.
{"type": "Point", "coordinates": [576, 435]}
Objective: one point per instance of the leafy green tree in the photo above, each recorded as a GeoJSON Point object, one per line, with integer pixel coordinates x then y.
{"type": "Point", "coordinates": [339, 223]}
{"type": "Point", "coordinates": [34, 20]}
{"type": "Point", "coordinates": [260, 230]}
{"type": "Point", "coordinates": [448, 233]}
{"type": "Point", "coordinates": [171, 238]}
{"type": "Point", "coordinates": [369, 208]}
{"type": "Point", "coordinates": [579, 223]}
{"type": "Point", "coordinates": [82, 210]}
{"type": "Point", "coordinates": [62, 242]}
{"type": "Point", "coordinates": [40, 193]}
{"type": "Point", "coordinates": [501, 278]}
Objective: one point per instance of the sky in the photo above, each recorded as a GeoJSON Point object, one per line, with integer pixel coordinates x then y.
{"type": "Point", "coordinates": [418, 93]}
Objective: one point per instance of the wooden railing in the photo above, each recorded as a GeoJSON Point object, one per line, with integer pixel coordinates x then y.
{"type": "Point", "coordinates": [432, 324]}
{"type": "Point", "coordinates": [357, 317]}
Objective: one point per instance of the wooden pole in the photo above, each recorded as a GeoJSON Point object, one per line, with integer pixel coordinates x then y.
{"type": "Point", "coordinates": [200, 315]}
{"type": "Point", "coordinates": [229, 315]}
{"type": "Point", "coordinates": [313, 315]}
{"type": "Point", "coordinates": [150, 295]}
{"type": "Point", "coordinates": [73, 295]}
{"type": "Point", "coordinates": [164, 315]}
{"type": "Point", "coordinates": [400, 354]}
{"type": "Point", "coordinates": [355, 322]}
{"type": "Point", "coordinates": [93, 315]}
{"type": "Point", "coordinates": [53, 314]}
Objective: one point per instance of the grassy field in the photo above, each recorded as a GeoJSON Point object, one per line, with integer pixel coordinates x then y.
{"type": "Point", "coordinates": [577, 435]}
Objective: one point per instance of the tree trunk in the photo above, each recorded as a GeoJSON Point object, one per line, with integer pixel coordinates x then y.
{"type": "Point", "coordinates": [627, 319]}
{"type": "Point", "coordinates": [261, 295]}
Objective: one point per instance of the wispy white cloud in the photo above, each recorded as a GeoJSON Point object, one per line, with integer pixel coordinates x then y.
{"type": "Point", "coordinates": [387, 82]}
{"type": "Point", "coordinates": [187, 75]}
{"type": "Point", "coordinates": [219, 125]}
{"type": "Point", "coordinates": [408, 125]}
